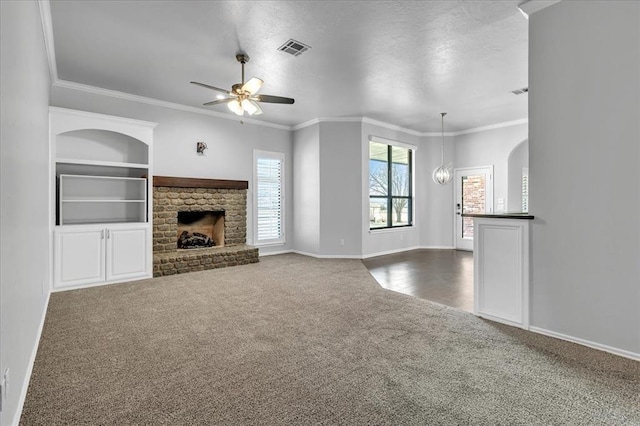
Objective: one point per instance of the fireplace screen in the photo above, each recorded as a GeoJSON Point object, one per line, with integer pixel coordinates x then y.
{"type": "Point", "coordinates": [200, 229]}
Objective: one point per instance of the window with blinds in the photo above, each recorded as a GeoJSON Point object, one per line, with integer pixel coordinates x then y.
{"type": "Point", "coordinates": [268, 197]}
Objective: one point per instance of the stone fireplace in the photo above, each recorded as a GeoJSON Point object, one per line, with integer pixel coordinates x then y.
{"type": "Point", "coordinates": [199, 224]}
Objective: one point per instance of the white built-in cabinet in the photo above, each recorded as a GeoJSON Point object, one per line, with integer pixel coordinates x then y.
{"type": "Point", "coordinates": [101, 198]}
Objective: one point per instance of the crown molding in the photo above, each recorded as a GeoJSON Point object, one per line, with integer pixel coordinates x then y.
{"type": "Point", "coordinates": [124, 120]}
{"type": "Point", "coordinates": [156, 102]}
{"type": "Point", "coordinates": [530, 7]}
{"type": "Point", "coordinates": [408, 131]}
{"type": "Point", "coordinates": [366, 120]}
{"type": "Point", "coordinates": [491, 127]}
{"type": "Point", "coordinates": [47, 31]}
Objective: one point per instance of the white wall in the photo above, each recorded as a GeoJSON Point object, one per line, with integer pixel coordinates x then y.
{"type": "Point", "coordinates": [306, 189]}
{"type": "Point", "coordinates": [24, 211]}
{"type": "Point", "coordinates": [340, 189]}
{"type": "Point", "coordinates": [230, 145]}
{"type": "Point", "coordinates": [584, 162]}
{"type": "Point", "coordinates": [491, 147]}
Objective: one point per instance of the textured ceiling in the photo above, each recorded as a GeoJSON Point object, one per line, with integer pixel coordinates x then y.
{"type": "Point", "coordinates": [398, 62]}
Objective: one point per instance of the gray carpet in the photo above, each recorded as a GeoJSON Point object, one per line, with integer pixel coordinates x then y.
{"type": "Point", "coordinates": [296, 340]}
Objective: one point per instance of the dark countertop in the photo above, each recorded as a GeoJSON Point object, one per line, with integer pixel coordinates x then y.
{"type": "Point", "coordinates": [525, 216]}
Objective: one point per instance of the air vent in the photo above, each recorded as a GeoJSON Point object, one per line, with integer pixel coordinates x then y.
{"type": "Point", "coordinates": [520, 91]}
{"type": "Point", "coordinates": [294, 47]}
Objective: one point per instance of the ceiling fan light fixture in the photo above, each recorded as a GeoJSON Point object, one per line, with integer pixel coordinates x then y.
{"type": "Point", "coordinates": [249, 106]}
{"type": "Point", "coordinates": [235, 107]}
{"type": "Point", "coordinates": [252, 86]}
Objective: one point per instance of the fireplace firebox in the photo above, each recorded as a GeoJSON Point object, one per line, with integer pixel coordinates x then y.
{"type": "Point", "coordinates": [200, 229]}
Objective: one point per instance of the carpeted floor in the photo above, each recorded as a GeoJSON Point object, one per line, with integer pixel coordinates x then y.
{"type": "Point", "coordinates": [296, 340]}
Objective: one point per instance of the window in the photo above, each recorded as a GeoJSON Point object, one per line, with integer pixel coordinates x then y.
{"type": "Point", "coordinates": [268, 197]}
{"type": "Point", "coordinates": [390, 185]}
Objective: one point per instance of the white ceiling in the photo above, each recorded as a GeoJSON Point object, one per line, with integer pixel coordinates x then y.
{"type": "Point", "coordinates": [401, 62]}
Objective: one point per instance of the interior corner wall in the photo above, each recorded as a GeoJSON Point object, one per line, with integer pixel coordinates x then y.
{"type": "Point", "coordinates": [584, 104]}
{"type": "Point", "coordinates": [340, 188]}
{"type": "Point", "coordinates": [434, 203]}
{"type": "Point", "coordinates": [491, 147]}
{"type": "Point", "coordinates": [306, 190]}
{"type": "Point", "coordinates": [230, 145]}
{"type": "Point", "coordinates": [24, 195]}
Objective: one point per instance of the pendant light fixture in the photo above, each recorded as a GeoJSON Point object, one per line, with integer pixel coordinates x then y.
{"type": "Point", "coordinates": [442, 174]}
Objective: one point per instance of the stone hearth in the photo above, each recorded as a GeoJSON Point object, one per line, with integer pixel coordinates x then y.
{"type": "Point", "coordinates": [171, 195]}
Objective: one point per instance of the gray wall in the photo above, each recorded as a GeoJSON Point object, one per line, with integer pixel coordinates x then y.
{"type": "Point", "coordinates": [230, 145]}
{"type": "Point", "coordinates": [491, 147]}
{"type": "Point", "coordinates": [24, 212]}
{"type": "Point", "coordinates": [340, 189]}
{"type": "Point", "coordinates": [584, 148]}
{"type": "Point", "coordinates": [434, 203]}
{"type": "Point", "coordinates": [518, 159]}
{"type": "Point", "coordinates": [306, 189]}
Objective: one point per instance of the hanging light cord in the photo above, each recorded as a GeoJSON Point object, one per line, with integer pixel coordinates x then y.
{"type": "Point", "coordinates": [442, 150]}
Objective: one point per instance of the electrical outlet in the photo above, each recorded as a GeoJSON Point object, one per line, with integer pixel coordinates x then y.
{"type": "Point", "coordinates": [341, 241]}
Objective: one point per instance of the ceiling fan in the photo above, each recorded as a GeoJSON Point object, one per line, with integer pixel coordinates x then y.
{"type": "Point", "coordinates": [242, 96]}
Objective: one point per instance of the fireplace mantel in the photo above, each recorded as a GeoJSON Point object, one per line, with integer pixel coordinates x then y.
{"type": "Point", "coordinates": [182, 182]}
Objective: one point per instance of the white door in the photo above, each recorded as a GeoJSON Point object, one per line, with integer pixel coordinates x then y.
{"type": "Point", "coordinates": [126, 253]}
{"type": "Point", "coordinates": [79, 256]}
{"type": "Point", "coordinates": [474, 194]}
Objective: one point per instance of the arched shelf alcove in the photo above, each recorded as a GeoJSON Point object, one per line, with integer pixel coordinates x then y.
{"type": "Point", "coordinates": [101, 185]}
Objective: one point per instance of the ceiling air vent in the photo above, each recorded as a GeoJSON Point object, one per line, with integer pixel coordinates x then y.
{"type": "Point", "coordinates": [520, 91]}
{"type": "Point", "coordinates": [294, 47]}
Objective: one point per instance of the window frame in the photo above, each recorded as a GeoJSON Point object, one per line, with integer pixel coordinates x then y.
{"type": "Point", "coordinates": [390, 197]}
{"type": "Point", "coordinates": [270, 155]}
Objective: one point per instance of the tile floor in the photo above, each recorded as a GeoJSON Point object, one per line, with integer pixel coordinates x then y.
{"type": "Point", "coordinates": [442, 276]}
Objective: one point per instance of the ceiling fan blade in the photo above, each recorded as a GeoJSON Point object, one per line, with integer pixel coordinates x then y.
{"type": "Point", "coordinates": [211, 87]}
{"type": "Point", "coordinates": [218, 101]}
{"type": "Point", "coordinates": [273, 99]}
{"type": "Point", "coordinates": [252, 86]}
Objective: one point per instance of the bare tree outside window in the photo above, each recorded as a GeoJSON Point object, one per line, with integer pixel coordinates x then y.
{"type": "Point", "coordinates": [389, 183]}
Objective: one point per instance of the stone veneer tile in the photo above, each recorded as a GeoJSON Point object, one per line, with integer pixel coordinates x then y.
{"type": "Point", "coordinates": [168, 201]}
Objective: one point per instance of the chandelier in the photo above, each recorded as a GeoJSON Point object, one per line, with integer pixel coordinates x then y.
{"type": "Point", "coordinates": [442, 174]}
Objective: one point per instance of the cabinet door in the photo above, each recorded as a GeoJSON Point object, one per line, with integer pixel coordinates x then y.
{"type": "Point", "coordinates": [79, 257]}
{"type": "Point", "coordinates": [126, 253]}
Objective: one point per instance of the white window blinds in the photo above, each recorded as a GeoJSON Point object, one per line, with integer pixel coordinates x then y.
{"type": "Point", "coordinates": [269, 191]}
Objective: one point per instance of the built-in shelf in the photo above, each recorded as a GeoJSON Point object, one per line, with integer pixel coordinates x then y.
{"type": "Point", "coordinates": [108, 198]}
{"type": "Point", "coordinates": [102, 186]}
{"type": "Point", "coordinates": [96, 200]}
{"type": "Point", "coordinates": [102, 163]}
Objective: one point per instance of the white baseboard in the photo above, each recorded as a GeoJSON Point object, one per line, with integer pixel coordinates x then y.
{"type": "Point", "coordinates": [437, 247]}
{"type": "Point", "coordinates": [583, 342]}
{"type": "Point", "coordinates": [271, 253]}
{"type": "Point", "coordinates": [328, 256]}
{"type": "Point", "coordinates": [358, 256]}
{"type": "Point", "coordinates": [32, 360]}
{"type": "Point", "coordinates": [382, 253]}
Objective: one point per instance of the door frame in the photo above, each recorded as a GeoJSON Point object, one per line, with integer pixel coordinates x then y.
{"type": "Point", "coordinates": [457, 174]}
